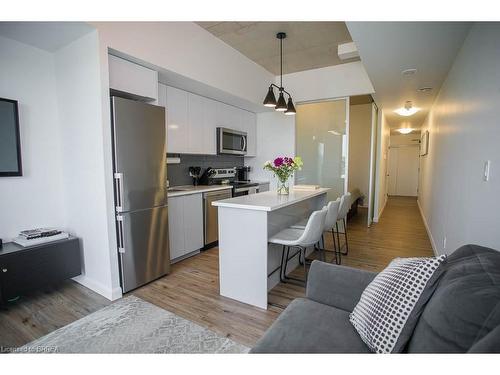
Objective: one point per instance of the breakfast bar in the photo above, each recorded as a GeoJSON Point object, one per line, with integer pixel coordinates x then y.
{"type": "Point", "coordinates": [246, 260]}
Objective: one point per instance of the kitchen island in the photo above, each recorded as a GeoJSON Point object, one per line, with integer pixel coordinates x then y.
{"type": "Point", "coordinates": [246, 261]}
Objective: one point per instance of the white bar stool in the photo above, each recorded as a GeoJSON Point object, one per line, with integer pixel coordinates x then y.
{"type": "Point", "coordinates": [345, 206]}
{"type": "Point", "coordinates": [330, 222]}
{"type": "Point", "coordinates": [300, 239]}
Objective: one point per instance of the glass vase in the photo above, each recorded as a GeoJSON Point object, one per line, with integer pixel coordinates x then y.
{"type": "Point", "coordinates": [283, 188]}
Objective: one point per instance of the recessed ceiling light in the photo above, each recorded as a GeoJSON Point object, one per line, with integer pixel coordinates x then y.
{"type": "Point", "coordinates": [405, 130]}
{"type": "Point", "coordinates": [407, 110]}
{"type": "Point", "coordinates": [409, 72]}
{"type": "Point", "coordinates": [425, 89]}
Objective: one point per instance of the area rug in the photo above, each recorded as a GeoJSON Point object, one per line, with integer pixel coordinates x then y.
{"type": "Point", "coordinates": [132, 325]}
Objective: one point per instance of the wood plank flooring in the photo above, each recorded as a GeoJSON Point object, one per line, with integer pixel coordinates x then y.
{"type": "Point", "coordinates": [192, 289]}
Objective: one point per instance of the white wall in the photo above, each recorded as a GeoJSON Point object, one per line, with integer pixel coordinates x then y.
{"type": "Point", "coordinates": [275, 137]}
{"type": "Point", "coordinates": [328, 83]}
{"type": "Point", "coordinates": [188, 50]}
{"type": "Point", "coordinates": [383, 139]}
{"type": "Point", "coordinates": [360, 126]}
{"type": "Point", "coordinates": [464, 132]}
{"type": "Point", "coordinates": [36, 198]}
{"type": "Point", "coordinates": [80, 113]}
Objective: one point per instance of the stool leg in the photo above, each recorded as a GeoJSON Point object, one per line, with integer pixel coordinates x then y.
{"type": "Point", "coordinates": [281, 264]}
{"type": "Point", "coordinates": [345, 234]}
{"type": "Point", "coordinates": [338, 255]}
{"type": "Point", "coordinates": [305, 266]}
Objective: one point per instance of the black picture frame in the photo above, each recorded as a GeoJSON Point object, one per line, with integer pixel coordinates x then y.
{"type": "Point", "coordinates": [19, 171]}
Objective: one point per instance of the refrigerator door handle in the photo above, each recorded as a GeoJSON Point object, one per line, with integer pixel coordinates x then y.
{"type": "Point", "coordinates": [119, 191]}
{"type": "Point", "coordinates": [121, 245]}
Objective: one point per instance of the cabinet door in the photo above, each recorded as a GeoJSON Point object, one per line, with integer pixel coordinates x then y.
{"type": "Point", "coordinates": [162, 102]}
{"type": "Point", "coordinates": [176, 226]}
{"type": "Point", "coordinates": [210, 127]}
{"type": "Point", "coordinates": [228, 116]}
{"type": "Point", "coordinates": [196, 116]}
{"type": "Point", "coordinates": [177, 121]}
{"type": "Point", "coordinates": [250, 126]}
{"type": "Point", "coordinates": [193, 222]}
{"type": "Point", "coordinates": [131, 78]}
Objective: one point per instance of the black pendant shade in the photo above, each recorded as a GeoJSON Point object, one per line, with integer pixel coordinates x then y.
{"type": "Point", "coordinates": [270, 100]}
{"type": "Point", "coordinates": [281, 106]}
{"type": "Point", "coordinates": [290, 108]}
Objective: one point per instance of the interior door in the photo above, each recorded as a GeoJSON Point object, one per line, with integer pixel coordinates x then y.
{"type": "Point", "coordinates": [407, 183]}
{"type": "Point", "coordinates": [403, 171]}
{"type": "Point", "coordinates": [393, 171]}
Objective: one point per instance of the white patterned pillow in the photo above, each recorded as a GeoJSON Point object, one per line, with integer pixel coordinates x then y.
{"type": "Point", "coordinates": [387, 303]}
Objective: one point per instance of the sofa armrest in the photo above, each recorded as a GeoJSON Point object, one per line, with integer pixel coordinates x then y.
{"type": "Point", "coordinates": [337, 286]}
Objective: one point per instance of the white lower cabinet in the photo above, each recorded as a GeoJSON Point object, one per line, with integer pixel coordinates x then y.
{"type": "Point", "coordinates": [185, 224]}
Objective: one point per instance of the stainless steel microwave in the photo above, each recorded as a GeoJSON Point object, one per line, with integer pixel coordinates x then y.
{"type": "Point", "coordinates": [231, 141]}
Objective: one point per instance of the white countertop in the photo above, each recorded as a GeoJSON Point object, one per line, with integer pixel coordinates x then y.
{"type": "Point", "coordinates": [269, 200]}
{"type": "Point", "coordinates": [190, 189]}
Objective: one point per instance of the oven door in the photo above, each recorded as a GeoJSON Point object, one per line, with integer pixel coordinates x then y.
{"type": "Point", "coordinates": [231, 141]}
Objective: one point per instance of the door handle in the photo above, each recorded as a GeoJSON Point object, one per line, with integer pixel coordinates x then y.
{"type": "Point", "coordinates": [121, 245]}
{"type": "Point", "coordinates": [119, 191]}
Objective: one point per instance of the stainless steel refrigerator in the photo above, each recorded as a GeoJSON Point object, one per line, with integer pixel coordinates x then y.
{"type": "Point", "coordinates": [140, 176]}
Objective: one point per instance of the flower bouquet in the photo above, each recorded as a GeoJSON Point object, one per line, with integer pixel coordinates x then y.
{"type": "Point", "coordinates": [283, 168]}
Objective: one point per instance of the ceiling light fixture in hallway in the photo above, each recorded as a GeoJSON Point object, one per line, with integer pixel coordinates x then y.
{"type": "Point", "coordinates": [407, 110]}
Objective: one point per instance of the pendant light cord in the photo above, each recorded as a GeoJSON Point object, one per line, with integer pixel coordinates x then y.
{"type": "Point", "coordinates": [281, 64]}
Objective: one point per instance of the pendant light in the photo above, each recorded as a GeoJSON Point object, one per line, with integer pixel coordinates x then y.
{"type": "Point", "coordinates": [280, 105]}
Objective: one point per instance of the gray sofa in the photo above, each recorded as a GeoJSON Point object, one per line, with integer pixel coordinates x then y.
{"type": "Point", "coordinates": [463, 314]}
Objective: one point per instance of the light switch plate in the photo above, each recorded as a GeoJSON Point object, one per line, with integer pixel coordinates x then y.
{"type": "Point", "coordinates": [486, 176]}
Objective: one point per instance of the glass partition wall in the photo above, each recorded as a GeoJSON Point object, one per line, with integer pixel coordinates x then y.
{"type": "Point", "coordinates": [321, 139]}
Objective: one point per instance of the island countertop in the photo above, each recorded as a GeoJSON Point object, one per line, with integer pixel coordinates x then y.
{"type": "Point", "coordinates": [269, 200]}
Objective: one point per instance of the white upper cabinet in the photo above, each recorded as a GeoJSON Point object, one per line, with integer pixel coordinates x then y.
{"type": "Point", "coordinates": [229, 117]}
{"type": "Point", "coordinates": [202, 125]}
{"type": "Point", "coordinates": [192, 122]}
{"type": "Point", "coordinates": [131, 78]}
{"type": "Point", "coordinates": [250, 126]}
{"type": "Point", "coordinates": [177, 121]}
{"type": "Point", "coordinates": [210, 127]}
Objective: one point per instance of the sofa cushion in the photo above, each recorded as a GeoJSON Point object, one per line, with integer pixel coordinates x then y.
{"type": "Point", "coordinates": [391, 304]}
{"type": "Point", "coordinates": [311, 327]}
{"type": "Point", "coordinates": [465, 306]}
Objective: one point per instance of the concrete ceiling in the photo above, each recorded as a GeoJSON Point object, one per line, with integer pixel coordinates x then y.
{"type": "Point", "coordinates": [388, 48]}
{"type": "Point", "coordinates": [308, 45]}
{"type": "Point", "coordinates": [49, 36]}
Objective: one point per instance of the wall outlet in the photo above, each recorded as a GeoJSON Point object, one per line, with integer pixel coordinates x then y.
{"type": "Point", "coordinates": [444, 242]}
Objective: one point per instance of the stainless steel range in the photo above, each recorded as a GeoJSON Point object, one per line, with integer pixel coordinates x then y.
{"type": "Point", "coordinates": [228, 176]}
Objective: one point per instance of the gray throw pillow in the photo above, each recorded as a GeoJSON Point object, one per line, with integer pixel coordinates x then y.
{"type": "Point", "coordinates": [391, 304]}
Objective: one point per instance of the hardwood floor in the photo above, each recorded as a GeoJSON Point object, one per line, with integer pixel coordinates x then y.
{"type": "Point", "coordinates": [192, 288]}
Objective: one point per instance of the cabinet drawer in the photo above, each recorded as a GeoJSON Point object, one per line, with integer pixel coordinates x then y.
{"type": "Point", "coordinates": [33, 268]}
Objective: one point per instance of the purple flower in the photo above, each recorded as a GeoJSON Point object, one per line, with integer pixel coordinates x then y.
{"type": "Point", "coordinates": [278, 162]}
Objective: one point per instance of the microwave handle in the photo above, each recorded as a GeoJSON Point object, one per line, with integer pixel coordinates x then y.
{"type": "Point", "coordinates": [244, 138]}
